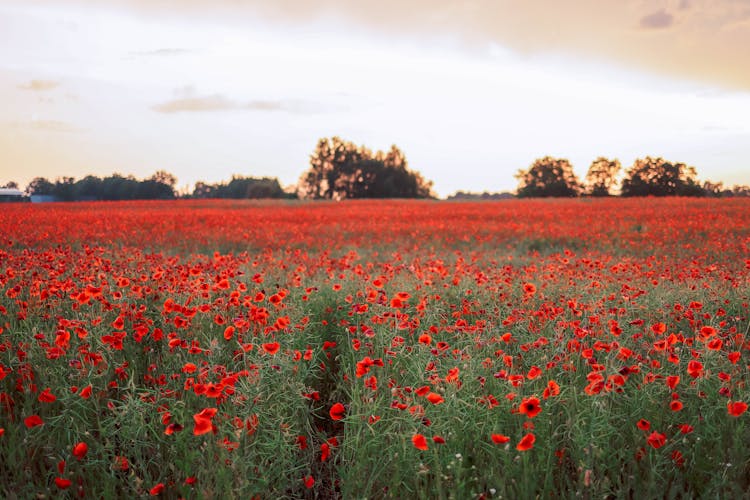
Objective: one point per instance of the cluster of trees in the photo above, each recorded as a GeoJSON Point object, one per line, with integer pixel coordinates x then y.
{"type": "Point", "coordinates": [342, 170]}
{"type": "Point", "coordinates": [160, 186]}
{"type": "Point", "coordinates": [242, 188]}
{"type": "Point", "coordinates": [554, 177]}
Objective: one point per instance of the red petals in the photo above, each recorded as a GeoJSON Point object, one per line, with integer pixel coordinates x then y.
{"type": "Point", "coordinates": [736, 408]}
{"type": "Point", "coordinates": [526, 443]}
{"type": "Point", "coordinates": [33, 421]}
{"type": "Point", "coordinates": [80, 450]}
{"type": "Point", "coordinates": [62, 483]}
{"type": "Point", "coordinates": [203, 423]}
{"type": "Point", "coordinates": [271, 348]}
{"type": "Point", "coordinates": [435, 398]}
{"type": "Point", "coordinates": [46, 396]}
{"type": "Point", "coordinates": [530, 407]}
{"type": "Point", "coordinates": [337, 411]}
{"type": "Point", "coordinates": [308, 481]}
{"type": "Point", "coordinates": [419, 442]}
{"type": "Point", "coordinates": [500, 438]}
{"type": "Point", "coordinates": [156, 490]}
{"type": "Point", "coordinates": [656, 440]}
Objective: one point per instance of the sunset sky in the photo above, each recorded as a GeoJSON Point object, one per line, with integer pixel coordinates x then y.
{"type": "Point", "coordinates": [471, 91]}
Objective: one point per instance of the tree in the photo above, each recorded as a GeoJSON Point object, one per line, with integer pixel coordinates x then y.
{"type": "Point", "coordinates": [340, 169]}
{"type": "Point", "coordinates": [658, 177]}
{"type": "Point", "coordinates": [602, 176]}
{"type": "Point", "coordinates": [241, 188]}
{"type": "Point", "coordinates": [40, 185]}
{"type": "Point", "coordinates": [10, 185]}
{"type": "Point", "coordinates": [548, 177]}
{"type": "Point", "coordinates": [65, 188]}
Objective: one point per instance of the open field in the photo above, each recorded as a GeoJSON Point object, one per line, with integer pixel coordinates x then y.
{"type": "Point", "coordinates": [401, 349]}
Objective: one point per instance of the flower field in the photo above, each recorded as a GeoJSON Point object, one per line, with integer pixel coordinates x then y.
{"type": "Point", "coordinates": [405, 349]}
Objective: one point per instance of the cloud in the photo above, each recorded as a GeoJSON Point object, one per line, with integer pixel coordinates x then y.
{"type": "Point", "coordinates": [46, 126]}
{"type": "Point", "coordinates": [707, 43]}
{"type": "Point", "coordinates": [216, 103]}
{"type": "Point", "coordinates": [659, 19]}
{"type": "Point", "coordinates": [162, 52]}
{"type": "Point", "coordinates": [40, 85]}
{"type": "Point", "coordinates": [196, 104]}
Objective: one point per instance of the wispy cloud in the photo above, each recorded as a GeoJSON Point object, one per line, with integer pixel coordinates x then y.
{"type": "Point", "coordinates": [40, 85]}
{"type": "Point", "coordinates": [217, 103]}
{"type": "Point", "coordinates": [58, 126]}
{"type": "Point", "coordinates": [162, 52]}
{"type": "Point", "coordinates": [195, 104]}
{"type": "Point", "coordinates": [659, 19]}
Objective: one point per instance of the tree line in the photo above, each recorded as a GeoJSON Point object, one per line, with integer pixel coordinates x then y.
{"type": "Point", "coordinates": [649, 176]}
{"type": "Point", "coordinates": [340, 169]}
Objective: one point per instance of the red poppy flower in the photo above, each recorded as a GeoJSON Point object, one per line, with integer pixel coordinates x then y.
{"type": "Point", "coordinates": [337, 411]}
{"type": "Point", "coordinates": [736, 408]}
{"type": "Point", "coordinates": [686, 428]}
{"type": "Point", "coordinates": [325, 452]}
{"type": "Point", "coordinates": [62, 483]}
{"type": "Point", "coordinates": [656, 440]}
{"type": "Point", "coordinates": [308, 481]}
{"type": "Point", "coordinates": [156, 490]}
{"type": "Point", "coordinates": [695, 368]}
{"type": "Point", "coordinates": [228, 332]}
{"type": "Point", "coordinates": [552, 389]}
{"type": "Point", "coordinates": [203, 424]}
{"type": "Point", "coordinates": [529, 288]}
{"type": "Point", "coordinates": [86, 392]}
{"type": "Point", "coordinates": [675, 405]}
{"type": "Point", "coordinates": [271, 348]}
{"type": "Point", "coordinates": [80, 450]}
{"type": "Point", "coordinates": [526, 442]}
{"type": "Point", "coordinates": [172, 428]}
{"type": "Point", "coordinates": [419, 442]}
{"type": "Point", "coordinates": [643, 425]}
{"type": "Point", "coordinates": [438, 439]}
{"type": "Point", "coordinates": [435, 398]}
{"type": "Point", "coordinates": [530, 407]}
{"type": "Point", "coordinates": [672, 381]}
{"type": "Point", "coordinates": [658, 328]}
{"type": "Point", "coordinates": [33, 421]}
{"type": "Point", "coordinates": [500, 438]}
{"type": "Point", "coordinates": [46, 396]}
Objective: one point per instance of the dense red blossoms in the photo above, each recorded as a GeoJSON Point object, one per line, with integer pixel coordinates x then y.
{"type": "Point", "coordinates": [375, 348]}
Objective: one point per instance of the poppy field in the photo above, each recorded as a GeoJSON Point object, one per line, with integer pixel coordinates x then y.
{"type": "Point", "coordinates": [375, 349]}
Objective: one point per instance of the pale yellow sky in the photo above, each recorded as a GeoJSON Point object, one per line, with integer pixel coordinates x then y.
{"type": "Point", "coordinates": [470, 91]}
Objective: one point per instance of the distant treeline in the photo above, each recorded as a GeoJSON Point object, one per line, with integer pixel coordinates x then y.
{"type": "Point", "coordinates": [242, 188]}
{"type": "Point", "coordinates": [649, 176]}
{"type": "Point", "coordinates": [340, 169]}
{"type": "Point", "coordinates": [160, 186]}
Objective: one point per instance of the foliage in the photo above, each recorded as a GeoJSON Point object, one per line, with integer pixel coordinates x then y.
{"type": "Point", "coordinates": [463, 195]}
{"type": "Point", "coordinates": [602, 176]}
{"type": "Point", "coordinates": [658, 177]}
{"type": "Point", "coordinates": [342, 170]}
{"type": "Point", "coordinates": [548, 177]}
{"type": "Point", "coordinates": [241, 188]}
{"type": "Point", "coordinates": [160, 186]}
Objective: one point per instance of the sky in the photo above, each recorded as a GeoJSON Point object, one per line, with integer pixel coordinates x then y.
{"type": "Point", "coordinates": [470, 91]}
